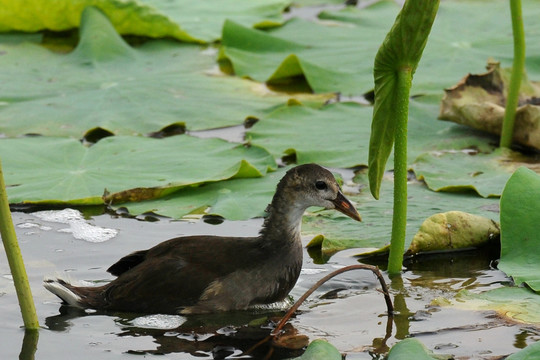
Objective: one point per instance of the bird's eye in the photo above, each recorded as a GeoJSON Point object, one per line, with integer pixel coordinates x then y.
{"type": "Point", "coordinates": [321, 185]}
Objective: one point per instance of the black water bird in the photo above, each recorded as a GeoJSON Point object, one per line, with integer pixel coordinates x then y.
{"type": "Point", "coordinates": [202, 274]}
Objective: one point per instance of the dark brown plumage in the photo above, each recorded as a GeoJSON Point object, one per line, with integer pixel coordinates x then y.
{"type": "Point", "coordinates": [200, 274]}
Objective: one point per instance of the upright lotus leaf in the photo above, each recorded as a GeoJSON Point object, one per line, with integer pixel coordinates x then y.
{"type": "Point", "coordinates": [395, 64]}
{"type": "Point", "coordinates": [412, 349]}
{"type": "Point", "coordinates": [62, 170]}
{"type": "Point", "coordinates": [104, 83]}
{"type": "Point", "coordinates": [486, 174]}
{"type": "Point", "coordinates": [190, 21]}
{"type": "Point", "coordinates": [520, 216]}
{"type": "Point", "coordinates": [479, 101]}
{"type": "Point", "coordinates": [454, 230]}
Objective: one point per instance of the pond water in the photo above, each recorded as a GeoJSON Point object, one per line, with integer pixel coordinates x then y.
{"type": "Point", "coordinates": [348, 311]}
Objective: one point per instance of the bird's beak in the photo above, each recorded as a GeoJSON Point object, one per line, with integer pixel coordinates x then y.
{"type": "Point", "coordinates": [343, 205]}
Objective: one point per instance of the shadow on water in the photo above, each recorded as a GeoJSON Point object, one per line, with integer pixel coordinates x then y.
{"type": "Point", "coordinates": [216, 335]}
{"type": "Point", "coordinates": [429, 273]}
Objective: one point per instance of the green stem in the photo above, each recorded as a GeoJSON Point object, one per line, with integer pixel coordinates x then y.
{"type": "Point", "coordinates": [518, 67]}
{"type": "Point", "coordinates": [16, 264]}
{"type": "Point", "coordinates": [399, 219]}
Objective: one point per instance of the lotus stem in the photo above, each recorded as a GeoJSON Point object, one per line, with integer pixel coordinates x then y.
{"type": "Point", "coordinates": [512, 99]}
{"type": "Point", "coordinates": [374, 269]}
{"type": "Point", "coordinates": [15, 260]}
{"type": "Point", "coordinates": [399, 217]}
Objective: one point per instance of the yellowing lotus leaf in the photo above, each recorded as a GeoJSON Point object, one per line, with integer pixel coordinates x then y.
{"type": "Point", "coordinates": [453, 230]}
{"type": "Point", "coordinates": [479, 101]}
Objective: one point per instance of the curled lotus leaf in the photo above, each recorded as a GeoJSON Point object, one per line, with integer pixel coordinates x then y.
{"type": "Point", "coordinates": [479, 100]}
{"type": "Point", "coordinates": [454, 230]}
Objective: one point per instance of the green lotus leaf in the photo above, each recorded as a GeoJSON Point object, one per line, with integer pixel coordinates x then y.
{"type": "Point", "coordinates": [325, 54]}
{"type": "Point", "coordinates": [395, 64]}
{"type": "Point", "coordinates": [412, 349]}
{"type": "Point", "coordinates": [320, 350]}
{"type": "Point", "coordinates": [427, 134]}
{"type": "Point", "coordinates": [106, 83]}
{"type": "Point", "coordinates": [191, 21]}
{"type": "Point", "coordinates": [485, 174]}
{"type": "Point", "coordinates": [235, 199]}
{"type": "Point", "coordinates": [520, 214]}
{"type": "Point", "coordinates": [531, 352]}
{"type": "Point", "coordinates": [336, 53]}
{"type": "Point", "coordinates": [517, 304]}
{"type": "Point", "coordinates": [335, 136]}
{"type": "Point", "coordinates": [62, 170]}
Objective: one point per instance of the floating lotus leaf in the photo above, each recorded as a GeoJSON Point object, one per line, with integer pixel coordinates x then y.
{"type": "Point", "coordinates": [324, 54]}
{"type": "Point", "coordinates": [412, 349]}
{"type": "Point", "coordinates": [426, 134]}
{"type": "Point", "coordinates": [191, 21]}
{"type": "Point", "coordinates": [336, 135]}
{"type": "Point", "coordinates": [485, 174]}
{"type": "Point", "coordinates": [62, 170]}
{"type": "Point", "coordinates": [320, 350]}
{"type": "Point", "coordinates": [513, 303]}
{"type": "Point", "coordinates": [336, 52]}
{"type": "Point", "coordinates": [105, 83]}
{"type": "Point", "coordinates": [479, 101]}
{"type": "Point", "coordinates": [235, 199]}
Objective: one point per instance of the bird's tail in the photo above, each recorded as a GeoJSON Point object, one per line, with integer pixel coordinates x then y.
{"type": "Point", "coordinates": [64, 291]}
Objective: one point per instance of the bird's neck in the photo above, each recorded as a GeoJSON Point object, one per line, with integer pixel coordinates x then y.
{"type": "Point", "coordinates": [283, 222]}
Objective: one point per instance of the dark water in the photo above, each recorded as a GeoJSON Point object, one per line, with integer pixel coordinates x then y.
{"type": "Point", "coordinates": [348, 311]}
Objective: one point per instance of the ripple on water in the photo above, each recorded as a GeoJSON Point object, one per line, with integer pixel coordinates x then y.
{"type": "Point", "coordinates": [78, 226]}
{"type": "Point", "coordinates": [158, 321]}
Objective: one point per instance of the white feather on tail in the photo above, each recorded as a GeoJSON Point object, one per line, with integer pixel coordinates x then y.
{"type": "Point", "coordinates": [58, 288]}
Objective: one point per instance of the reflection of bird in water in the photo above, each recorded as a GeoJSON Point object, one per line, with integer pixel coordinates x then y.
{"type": "Point", "coordinates": [202, 274]}
{"type": "Point", "coordinates": [218, 334]}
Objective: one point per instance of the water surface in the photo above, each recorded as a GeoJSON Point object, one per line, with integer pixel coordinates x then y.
{"type": "Point", "coordinates": [348, 311]}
